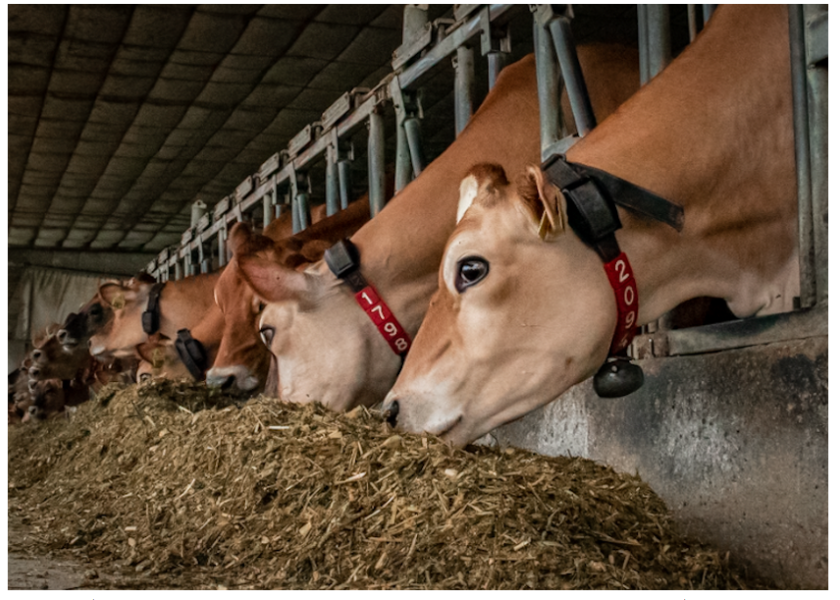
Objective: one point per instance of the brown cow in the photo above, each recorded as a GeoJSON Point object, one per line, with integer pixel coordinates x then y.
{"type": "Point", "coordinates": [243, 359]}
{"type": "Point", "coordinates": [326, 347]}
{"type": "Point", "coordinates": [523, 312]}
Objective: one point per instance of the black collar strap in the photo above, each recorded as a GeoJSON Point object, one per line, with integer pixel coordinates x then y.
{"type": "Point", "coordinates": [151, 316]}
{"type": "Point", "coordinates": [192, 353]}
{"type": "Point", "coordinates": [592, 195]}
{"type": "Point", "coordinates": [343, 260]}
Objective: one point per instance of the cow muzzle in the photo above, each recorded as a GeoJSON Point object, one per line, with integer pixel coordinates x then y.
{"type": "Point", "coordinates": [391, 413]}
{"type": "Point", "coordinates": [237, 378]}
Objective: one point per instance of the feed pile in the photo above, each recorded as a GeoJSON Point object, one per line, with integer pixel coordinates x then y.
{"type": "Point", "coordinates": [187, 489]}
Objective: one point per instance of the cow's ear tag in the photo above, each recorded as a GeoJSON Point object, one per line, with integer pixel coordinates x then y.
{"type": "Point", "coordinates": [118, 302]}
{"type": "Point", "coordinates": [157, 358]}
{"type": "Point", "coordinates": [618, 377]}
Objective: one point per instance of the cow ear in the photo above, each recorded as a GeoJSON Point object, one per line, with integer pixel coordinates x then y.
{"type": "Point", "coordinates": [482, 178]}
{"type": "Point", "coordinates": [115, 294]}
{"type": "Point", "coordinates": [238, 238]}
{"type": "Point", "coordinates": [153, 350]}
{"type": "Point", "coordinates": [544, 202]}
{"type": "Point", "coordinates": [273, 282]}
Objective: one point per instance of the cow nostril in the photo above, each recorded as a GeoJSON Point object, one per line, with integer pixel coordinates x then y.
{"type": "Point", "coordinates": [34, 372]}
{"type": "Point", "coordinates": [61, 335]}
{"type": "Point", "coordinates": [36, 355]}
{"type": "Point", "coordinates": [33, 410]}
{"type": "Point", "coordinates": [391, 413]}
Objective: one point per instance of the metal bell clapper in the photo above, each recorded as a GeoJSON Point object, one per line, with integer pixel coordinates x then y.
{"type": "Point", "coordinates": [618, 377]}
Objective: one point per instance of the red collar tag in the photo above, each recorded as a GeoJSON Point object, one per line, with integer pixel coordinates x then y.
{"type": "Point", "coordinates": [627, 300]}
{"type": "Point", "coordinates": [385, 321]}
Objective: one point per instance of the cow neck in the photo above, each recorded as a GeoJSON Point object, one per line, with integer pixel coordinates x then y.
{"type": "Point", "coordinates": [402, 247]}
{"type": "Point", "coordinates": [184, 303]}
{"type": "Point", "coordinates": [695, 157]}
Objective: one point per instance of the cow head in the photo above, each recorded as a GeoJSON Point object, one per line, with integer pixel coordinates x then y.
{"type": "Point", "coordinates": [325, 348]}
{"type": "Point", "coordinates": [242, 360]}
{"type": "Point", "coordinates": [123, 304]}
{"type": "Point", "coordinates": [78, 327]}
{"type": "Point", "coordinates": [47, 399]}
{"type": "Point", "coordinates": [160, 359]}
{"type": "Point", "coordinates": [53, 360]}
{"type": "Point", "coordinates": [523, 311]}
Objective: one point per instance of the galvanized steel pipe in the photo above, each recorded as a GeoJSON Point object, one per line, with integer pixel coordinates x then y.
{"type": "Point", "coordinates": [332, 181]}
{"type": "Point", "coordinates": [548, 88]}
{"type": "Point", "coordinates": [415, 144]}
{"type": "Point", "coordinates": [802, 152]}
{"type": "Point", "coordinates": [659, 38]}
{"type": "Point", "coordinates": [345, 182]}
{"type": "Point", "coordinates": [403, 168]}
{"type": "Point", "coordinates": [376, 162]}
{"type": "Point", "coordinates": [564, 45]}
{"type": "Point", "coordinates": [464, 85]}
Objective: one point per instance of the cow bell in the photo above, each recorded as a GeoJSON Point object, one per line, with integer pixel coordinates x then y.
{"type": "Point", "coordinates": [618, 377]}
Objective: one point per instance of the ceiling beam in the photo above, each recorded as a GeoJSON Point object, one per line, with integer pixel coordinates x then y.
{"type": "Point", "coordinates": [97, 263]}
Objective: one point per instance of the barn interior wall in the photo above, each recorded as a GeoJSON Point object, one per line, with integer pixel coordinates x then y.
{"type": "Point", "coordinates": [735, 442]}
{"type": "Point", "coordinates": [39, 298]}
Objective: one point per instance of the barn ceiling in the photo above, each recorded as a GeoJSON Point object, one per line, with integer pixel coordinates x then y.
{"type": "Point", "coordinates": [121, 116]}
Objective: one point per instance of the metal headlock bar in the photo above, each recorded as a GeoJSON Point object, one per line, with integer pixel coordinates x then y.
{"type": "Point", "coordinates": [282, 182]}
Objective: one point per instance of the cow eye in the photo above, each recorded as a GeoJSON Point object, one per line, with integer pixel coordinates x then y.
{"type": "Point", "coordinates": [471, 270]}
{"type": "Point", "coordinates": [267, 335]}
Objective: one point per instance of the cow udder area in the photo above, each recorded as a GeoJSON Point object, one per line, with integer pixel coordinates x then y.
{"type": "Point", "coordinates": [166, 485]}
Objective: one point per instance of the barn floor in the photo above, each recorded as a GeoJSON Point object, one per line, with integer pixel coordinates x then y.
{"type": "Point", "coordinates": [167, 485]}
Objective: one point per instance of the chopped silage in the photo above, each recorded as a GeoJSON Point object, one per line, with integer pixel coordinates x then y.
{"type": "Point", "coordinates": [189, 489]}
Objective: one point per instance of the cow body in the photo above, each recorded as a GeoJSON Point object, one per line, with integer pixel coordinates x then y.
{"type": "Point", "coordinates": [712, 133]}
{"type": "Point", "coordinates": [326, 348]}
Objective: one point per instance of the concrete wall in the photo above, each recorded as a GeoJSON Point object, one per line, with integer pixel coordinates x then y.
{"type": "Point", "coordinates": [735, 442]}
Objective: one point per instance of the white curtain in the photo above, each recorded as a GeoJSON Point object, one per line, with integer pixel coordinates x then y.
{"type": "Point", "coordinates": [43, 297]}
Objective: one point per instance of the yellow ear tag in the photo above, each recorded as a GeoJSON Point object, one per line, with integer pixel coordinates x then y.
{"type": "Point", "coordinates": [119, 302]}
{"type": "Point", "coordinates": [157, 358]}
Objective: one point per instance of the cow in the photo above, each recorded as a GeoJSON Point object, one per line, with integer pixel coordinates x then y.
{"type": "Point", "coordinates": [326, 348]}
{"type": "Point", "coordinates": [242, 360]}
{"type": "Point", "coordinates": [524, 309]}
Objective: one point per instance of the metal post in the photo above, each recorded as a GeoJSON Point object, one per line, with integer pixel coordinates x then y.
{"type": "Point", "coordinates": [692, 22]}
{"type": "Point", "coordinates": [266, 202]}
{"type": "Point", "coordinates": [376, 162]}
{"type": "Point", "coordinates": [301, 218]}
{"type": "Point", "coordinates": [564, 45]}
{"type": "Point", "coordinates": [659, 38]}
{"type": "Point", "coordinates": [807, 288]}
{"type": "Point", "coordinates": [817, 79]}
{"type": "Point", "coordinates": [495, 64]}
{"type": "Point", "coordinates": [344, 181]}
{"type": "Point", "coordinates": [415, 144]}
{"type": "Point", "coordinates": [708, 9]}
{"type": "Point", "coordinates": [464, 84]}
{"type": "Point", "coordinates": [403, 169]}
{"type": "Point", "coordinates": [222, 247]}
{"type": "Point", "coordinates": [332, 181]}
{"type": "Point", "coordinates": [178, 272]}
{"type": "Point", "coordinates": [548, 89]}
{"type": "Point", "coordinates": [642, 23]}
